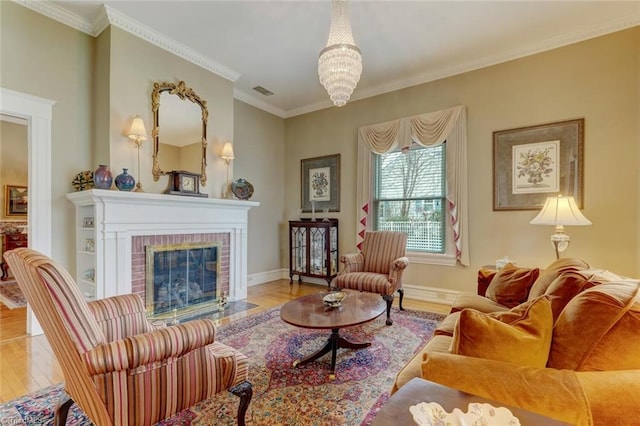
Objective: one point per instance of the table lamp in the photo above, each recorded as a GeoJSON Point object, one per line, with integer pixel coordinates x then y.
{"type": "Point", "coordinates": [138, 133]}
{"type": "Point", "coordinates": [227, 156]}
{"type": "Point", "coordinates": [560, 211]}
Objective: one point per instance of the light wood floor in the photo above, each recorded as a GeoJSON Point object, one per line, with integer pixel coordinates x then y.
{"type": "Point", "coordinates": [28, 364]}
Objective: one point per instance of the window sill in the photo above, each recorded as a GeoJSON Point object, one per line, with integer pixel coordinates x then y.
{"type": "Point", "coordinates": [432, 258]}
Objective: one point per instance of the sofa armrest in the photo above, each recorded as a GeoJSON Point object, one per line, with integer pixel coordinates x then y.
{"type": "Point", "coordinates": [553, 393]}
{"type": "Point", "coordinates": [353, 262]}
{"type": "Point", "coordinates": [146, 348]}
{"type": "Point", "coordinates": [612, 395]}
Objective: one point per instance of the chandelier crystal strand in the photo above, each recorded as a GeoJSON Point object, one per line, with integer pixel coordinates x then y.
{"type": "Point", "coordinates": [340, 62]}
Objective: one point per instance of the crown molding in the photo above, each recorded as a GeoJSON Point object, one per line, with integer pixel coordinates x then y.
{"type": "Point", "coordinates": [59, 14]}
{"type": "Point", "coordinates": [594, 31]}
{"type": "Point", "coordinates": [152, 36]}
{"type": "Point", "coordinates": [109, 16]}
{"type": "Point", "coordinates": [253, 101]}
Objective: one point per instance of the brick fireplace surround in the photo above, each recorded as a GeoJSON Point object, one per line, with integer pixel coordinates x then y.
{"type": "Point", "coordinates": [127, 221]}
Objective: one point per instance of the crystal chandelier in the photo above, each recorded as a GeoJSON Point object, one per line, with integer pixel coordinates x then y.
{"type": "Point", "coordinates": [340, 62]}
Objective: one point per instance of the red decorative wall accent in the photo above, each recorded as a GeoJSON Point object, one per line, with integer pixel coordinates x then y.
{"type": "Point", "coordinates": [138, 256]}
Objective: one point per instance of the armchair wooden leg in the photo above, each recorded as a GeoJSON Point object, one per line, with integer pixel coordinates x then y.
{"type": "Point", "coordinates": [243, 390]}
{"type": "Point", "coordinates": [389, 299]}
{"type": "Point", "coordinates": [62, 410]}
{"type": "Point", "coordinates": [401, 293]}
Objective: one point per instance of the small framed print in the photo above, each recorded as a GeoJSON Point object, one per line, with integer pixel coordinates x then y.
{"type": "Point", "coordinates": [16, 200]}
{"type": "Point", "coordinates": [536, 162]}
{"type": "Point", "coordinates": [87, 222]}
{"type": "Point", "coordinates": [320, 183]}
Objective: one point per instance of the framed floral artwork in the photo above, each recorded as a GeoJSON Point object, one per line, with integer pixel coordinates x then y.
{"type": "Point", "coordinates": [16, 200]}
{"type": "Point", "coordinates": [320, 183]}
{"type": "Point", "coordinates": [536, 162]}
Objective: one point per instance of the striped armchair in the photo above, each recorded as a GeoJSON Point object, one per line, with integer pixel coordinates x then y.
{"type": "Point", "coordinates": [118, 367]}
{"type": "Point", "coordinates": [378, 268]}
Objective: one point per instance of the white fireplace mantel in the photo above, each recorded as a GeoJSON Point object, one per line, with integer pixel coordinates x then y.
{"type": "Point", "coordinates": [118, 216]}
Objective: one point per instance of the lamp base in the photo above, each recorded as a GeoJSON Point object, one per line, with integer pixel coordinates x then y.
{"type": "Point", "coordinates": [138, 187]}
{"type": "Point", "coordinates": [560, 240]}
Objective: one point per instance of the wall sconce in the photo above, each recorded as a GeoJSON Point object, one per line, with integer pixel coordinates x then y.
{"type": "Point", "coordinates": [560, 211]}
{"type": "Point", "coordinates": [138, 133]}
{"type": "Point", "coordinates": [227, 156]}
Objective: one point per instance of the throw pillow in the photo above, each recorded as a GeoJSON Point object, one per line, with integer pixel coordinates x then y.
{"type": "Point", "coordinates": [598, 329]}
{"type": "Point", "coordinates": [510, 285]}
{"type": "Point", "coordinates": [521, 336]}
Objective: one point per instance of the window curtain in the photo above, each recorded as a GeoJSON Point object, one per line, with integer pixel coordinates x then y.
{"type": "Point", "coordinates": [429, 129]}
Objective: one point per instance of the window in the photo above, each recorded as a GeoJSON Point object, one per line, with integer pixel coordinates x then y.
{"type": "Point", "coordinates": [410, 196]}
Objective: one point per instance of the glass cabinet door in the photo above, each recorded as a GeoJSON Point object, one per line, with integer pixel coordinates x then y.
{"type": "Point", "coordinates": [313, 249]}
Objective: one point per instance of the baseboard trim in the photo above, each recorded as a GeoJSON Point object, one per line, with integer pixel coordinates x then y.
{"type": "Point", "coordinates": [427, 294]}
{"type": "Point", "coordinates": [430, 294]}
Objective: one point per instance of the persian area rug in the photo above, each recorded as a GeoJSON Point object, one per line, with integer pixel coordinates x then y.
{"type": "Point", "coordinates": [283, 394]}
{"type": "Point", "coordinates": [11, 296]}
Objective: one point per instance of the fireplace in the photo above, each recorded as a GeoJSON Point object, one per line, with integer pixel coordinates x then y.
{"type": "Point", "coordinates": [181, 278]}
{"type": "Point", "coordinates": [127, 222]}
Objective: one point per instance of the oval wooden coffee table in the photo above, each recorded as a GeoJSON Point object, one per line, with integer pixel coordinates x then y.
{"type": "Point", "coordinates": [310, 312]}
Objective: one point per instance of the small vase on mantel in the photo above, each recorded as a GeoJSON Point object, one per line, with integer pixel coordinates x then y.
{"type": "Point", "coordinates": [124, 181]}
{"type": "Point", "coordinates": [102, 178]}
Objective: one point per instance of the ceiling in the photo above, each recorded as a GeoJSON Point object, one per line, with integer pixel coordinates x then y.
{"type": "Point", "coordinates": [275, 44]}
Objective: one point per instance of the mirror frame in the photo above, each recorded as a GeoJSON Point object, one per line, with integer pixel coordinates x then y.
{"type": "Point", "coordinates": [185, 93]}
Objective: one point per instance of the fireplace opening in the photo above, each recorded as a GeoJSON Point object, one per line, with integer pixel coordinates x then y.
{"type": "Point", "coordinates": [181, 278]}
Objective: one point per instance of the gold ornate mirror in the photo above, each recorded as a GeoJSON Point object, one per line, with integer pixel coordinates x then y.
{"type": "Point", "coordinates": [184, 116]}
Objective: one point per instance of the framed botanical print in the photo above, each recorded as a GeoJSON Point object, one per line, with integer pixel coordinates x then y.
{"type": "Point", "coordinates": [536, 162]}
{"type": "Point", "coordinates": [15, 200]}
{"type": "Point", "coordinates": [320, 183]}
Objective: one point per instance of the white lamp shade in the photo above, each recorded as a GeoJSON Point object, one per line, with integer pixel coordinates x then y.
{"type": "Point", "coordinates": [227, 151]}
{"type": "Point", "coordinates": [137, 130]}
{"type": "Point", "coordinates": [560, 211]}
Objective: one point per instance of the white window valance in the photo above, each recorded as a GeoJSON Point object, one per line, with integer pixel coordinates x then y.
{"type": "Point", "coordinates": [427, 130]}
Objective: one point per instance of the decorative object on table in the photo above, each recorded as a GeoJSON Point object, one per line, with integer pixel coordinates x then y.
{"type": "Point", "coordinates": [313, 210]}
{"type": "Point", "coordinates": [340, 62]}
{"type": "Point", "coordinates": [325, 212]}
{"type": "Point", "coordinates": [334, 299]}
{"type": "Point", "coordinates": [320, 182]}
{"type": "Point", "coordinates": [180, 122]}
{"type": "Point", "coordinates": [432, 414]}
{"type": "Point", "coordinates": [102, 177]}
{"type": "Point", "coordinates": [16, 200]}
{"type": "Point", "coordinates": [242, 189]}
{"type": "Point", "coordinates": [227, 155]}
{"type": "Point", "coordinates": [560, 211]}
{"type": "Point", "coordinates": [83, 181]}
{"type": "Point", "coordinates": [138, 133]}
{"type": "Point", "coordinates": [533, 163]}
{"type": "Point", "coordinates": [124, 181]}
{"type": "Point", "coordinates": [182, 182]}
{"type": "Point", "coordinates": [10, 229]}
{"type": "Point", "coordinates": [500, 263]}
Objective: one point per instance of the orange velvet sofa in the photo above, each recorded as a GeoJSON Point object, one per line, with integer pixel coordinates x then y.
{"type": "Point", "coordinates": [563, 342]}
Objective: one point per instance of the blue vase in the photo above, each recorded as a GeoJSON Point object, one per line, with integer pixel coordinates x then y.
{"type": "Point", "coordinates": [124, 181]}
{"type": "Point", "coordinates": [102, 178]}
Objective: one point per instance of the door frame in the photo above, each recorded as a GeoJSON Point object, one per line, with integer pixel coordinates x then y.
{"type": "Point", "coordinates": [38, 113]}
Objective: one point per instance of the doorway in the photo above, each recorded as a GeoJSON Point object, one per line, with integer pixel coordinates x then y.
{"type": "Point", "coordinates": [38, 114]}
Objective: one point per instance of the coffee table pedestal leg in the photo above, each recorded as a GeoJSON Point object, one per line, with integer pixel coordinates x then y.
{"type": "Point", "coordinates": [333, 343]}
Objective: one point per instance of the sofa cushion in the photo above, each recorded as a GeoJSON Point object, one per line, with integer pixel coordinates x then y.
{"type": "Point", "coordinates": [548, 275]}
{"type": "Point", "coordinates": [565, 287]}
{"type": "Point", "coordinates": [520, 336]}
{"type": "Point", "coordinates": [510, 285]}
{"type": "Point", "coordinates": [466, 299]}
{"type": "Point", "coordinates": [598, 329]}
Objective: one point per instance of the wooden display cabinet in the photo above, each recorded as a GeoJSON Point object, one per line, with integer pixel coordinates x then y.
{"type": "Point", "coordinates": [313, 249]}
